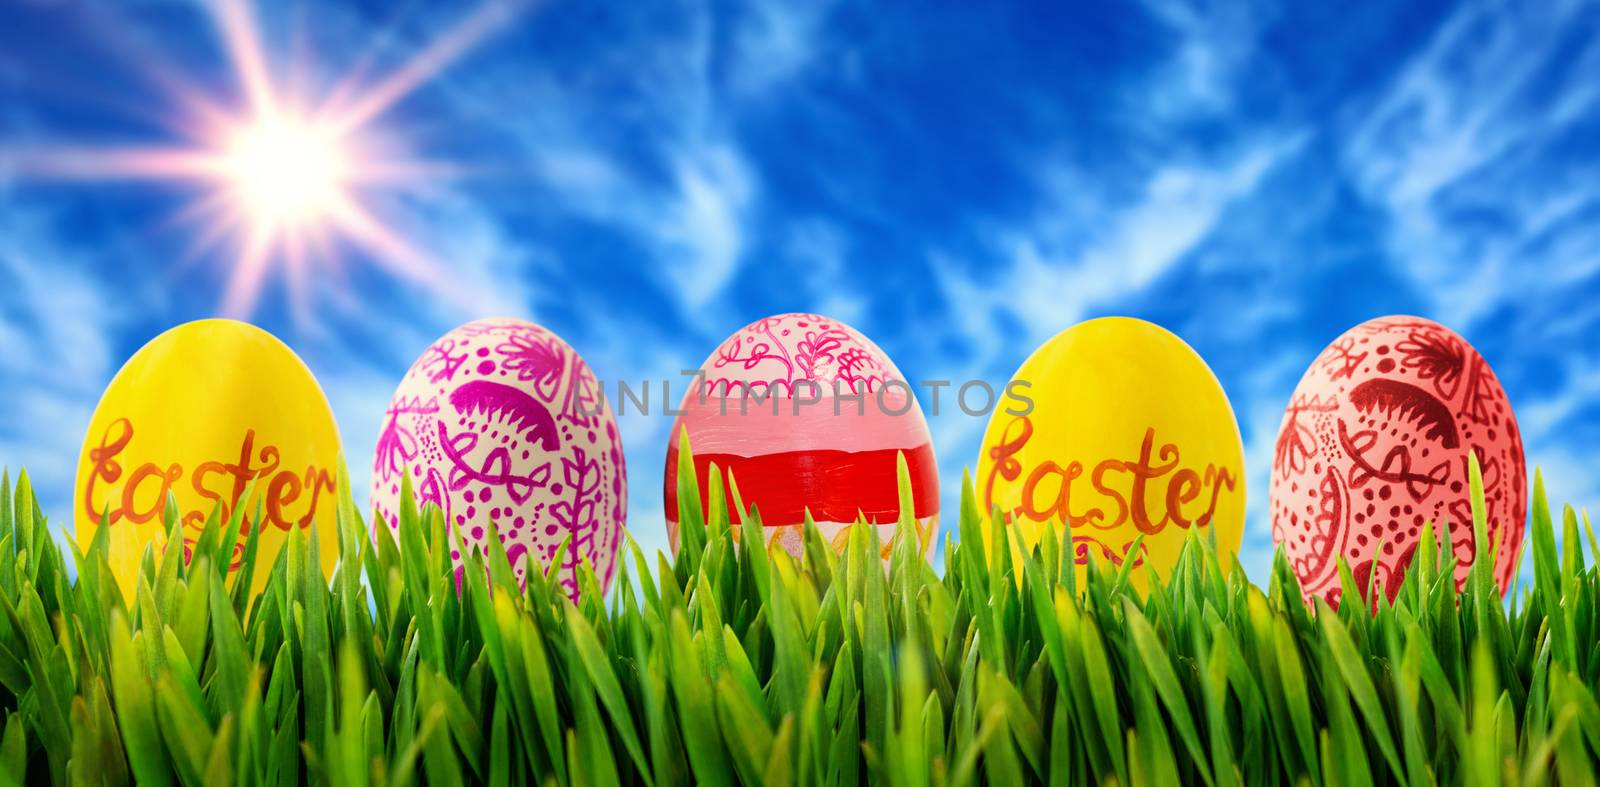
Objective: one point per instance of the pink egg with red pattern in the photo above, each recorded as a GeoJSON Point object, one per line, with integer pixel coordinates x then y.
{"type": "Point", "coordinates": [1375, 443]}
{"type": "Point", "coordinates": [503, 426]}
{"type": "Point", "coordinates": [806, 414]}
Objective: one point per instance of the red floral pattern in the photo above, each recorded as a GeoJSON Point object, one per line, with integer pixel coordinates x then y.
{"type": "Point", "coordinates": [775, 353]}
{"type": "Point", "coordinates": [1374, 444]}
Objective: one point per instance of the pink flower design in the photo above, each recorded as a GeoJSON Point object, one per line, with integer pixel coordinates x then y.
{"type": "Point", "coordinates": [397, 445]}
{"type": "Point", "coordinates": [760, 351]}
{"type": "Point", "coordinates": [851, 363]}
{"type": "Point", "coordinates": [439, 364]}
{"type": "Point", "coordinates": [817, 349]}
{"type": "Point", "coordinates": [533, 358]}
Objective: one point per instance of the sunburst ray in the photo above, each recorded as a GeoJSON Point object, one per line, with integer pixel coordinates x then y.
{"type": "Point", "coordinates": [290, 177]}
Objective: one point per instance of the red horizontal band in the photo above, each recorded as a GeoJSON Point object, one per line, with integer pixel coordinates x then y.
{"type": "Point", "coordinates": [834, 485]}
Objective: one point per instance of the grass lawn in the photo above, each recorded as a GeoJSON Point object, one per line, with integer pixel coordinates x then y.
{"type": "Point", "coordinates": [730, 664]}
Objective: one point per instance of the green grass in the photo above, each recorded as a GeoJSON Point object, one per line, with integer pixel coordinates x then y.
{"type": "Point", "coordinates": [730, 664]}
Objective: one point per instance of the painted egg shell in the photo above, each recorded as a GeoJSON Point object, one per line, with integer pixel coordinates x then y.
{"type": "Point", "coordinates": [1374, 444]}
{"type": "Point", "coordinates": [1119, 427]}
{"type": "Point", "coordinates": [200, 411]}
{"type": "Point", "coordinates": [807, 414]}
{"type": "Point", "coordinates": [501, 423]}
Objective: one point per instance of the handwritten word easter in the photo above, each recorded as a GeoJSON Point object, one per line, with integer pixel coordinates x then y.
{"type": "Point", "coordinates": [286, 492]}
{"type": "Point", "coordinates": [1122, 486]}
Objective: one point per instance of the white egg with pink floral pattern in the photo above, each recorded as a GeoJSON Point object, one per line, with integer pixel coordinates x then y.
{"type": "Point", "coordinates": [501, 422]}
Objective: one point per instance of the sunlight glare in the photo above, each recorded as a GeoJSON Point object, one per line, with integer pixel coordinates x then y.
{"type": "Point", "coordinates": [286, 171]}
{"type": "Point", "coordinates": [291, 182]}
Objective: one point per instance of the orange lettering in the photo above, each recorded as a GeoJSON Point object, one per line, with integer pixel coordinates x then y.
{"type": "Point", "coordinates": [1156, 463]}
{"type": "Point", "coordinates": [1222, 478]}
{"type": "Point", "coordinates": [1099, 482]}
{"type": "Point", "coordinates": [205, 470]}
{"type": "Point", "coordinates": [104, 466]}
{"type": "Point", "coordinates": [318, 481]}
{"type": "Point", "coordinates": [1185, 486]}
{"type": "Point", "coordinates": [1061, 507]}
{"type": "Point", "coordinates": [283, 488]}
{"type": "Point", "coordinates": [1143, 472]}
{"type": "Point", "coordinates": [1003, 461]}
{"type": "Point", "coordinates": [136, 479]}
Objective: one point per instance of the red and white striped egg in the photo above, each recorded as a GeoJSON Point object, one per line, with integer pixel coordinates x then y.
{"type": "Point", "coordinates": [807, 414]}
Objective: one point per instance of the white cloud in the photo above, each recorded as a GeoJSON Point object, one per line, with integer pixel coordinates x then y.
{"type": "Point", "coordinates": [1214, 44]}
{"type": "Point", "coordinates": [1568, 475]}
{"type": "Point", "coordinates": [819, 252]}
{"type": "Point", "coordinates": [700, 231]}
{"type": "Point", "coordinates": [1465, 128]}
{"type": "Point", "coordinates": [673, 93]}
{"type": "Point", "coordinates": [55, 323]}
{"type": "Point", "coordinates": [774, 40]}
{"type": "Point", "coordinates": [1054, 278]}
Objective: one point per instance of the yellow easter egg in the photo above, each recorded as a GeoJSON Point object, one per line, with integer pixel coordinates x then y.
{"type": "Point", "coordinates": [201, 411]}
{"type": "Point", "coordinates": [1118, 427]}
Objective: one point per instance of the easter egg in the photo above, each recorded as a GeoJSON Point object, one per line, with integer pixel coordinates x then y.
{"type": "Point", "coordinates": [1119, 428]}
{"type": "Point", "coordinates": [807, 415]}
{"type": "Point", "coordinates": [200, 412]}
{"type": "Point", "coordinates": [503, 427]}
{"type": "Point", "coordinates": [1375, 443]}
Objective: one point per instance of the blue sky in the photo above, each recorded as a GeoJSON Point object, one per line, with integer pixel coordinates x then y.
{"type": "Point", "coordinates": [958, 183]}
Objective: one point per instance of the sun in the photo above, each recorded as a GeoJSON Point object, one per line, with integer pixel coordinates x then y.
{"type": "Point", "coordinates": [286, 172]}
{"type": "Point", "coordinates": [289, 179]}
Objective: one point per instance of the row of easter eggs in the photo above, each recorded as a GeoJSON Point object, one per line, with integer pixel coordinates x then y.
{"type": "Point", "coordinates": [1123, 431]}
